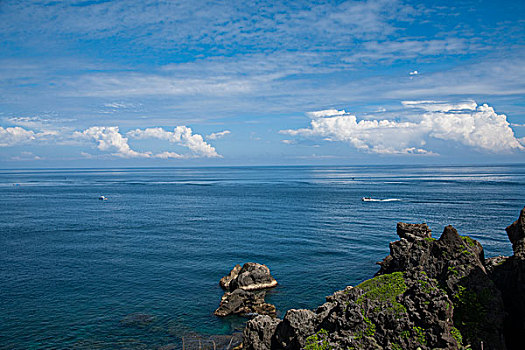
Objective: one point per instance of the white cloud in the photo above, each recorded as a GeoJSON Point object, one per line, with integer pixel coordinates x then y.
{"type": "Point", "coordinates": [466, 123]}
{"type": "Point", "coordinates": [15, 135]}
{"type": "Point", "coordinates": [167, 155]}
{"type": "Point", "coordinates": [414, 73]}
{"type": "Point", "coordinates": [26, 156]}
{"type": "Point", "coordinates": [108, 138]}
{"type": "Point", "coordinates": [481, 128]}
{"type": "Point", "coordinates": [181, 135]}
{"type": "Point", "coordinates": [218, 135]}
{"type": "Point", "coordinates": [325, 113]}
{"type": "Point", "coordinates": [434, 106]}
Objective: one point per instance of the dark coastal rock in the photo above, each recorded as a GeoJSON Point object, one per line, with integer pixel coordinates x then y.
{"type": "Point", "coordinates": [242, 302]}
{"type": "Point", "coordinates": [225, 281]}
{"type": "Point", "coordinates": [252, 276]}
{"type": "Point", "coordinates": [516, 234]}
{"type": "Point", "coordinates": [428, 294]}
{"type": "Point", "coordinates": [412, 232]}
{"type": "Point", "coordinates": [457, 263]}
{"type": "Point", "coordinates": [296, 326]}
{"type": "Point", "coordinates": [259, 332]}
{"type": "Point", "coordinates": [396, 311]}
{"type": "Point", "coordinates": [508, 274]}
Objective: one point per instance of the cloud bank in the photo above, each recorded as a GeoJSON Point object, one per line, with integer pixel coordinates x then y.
{"type": "Point", "coordinates": [181, 135]}
{"type": "Point", "coordinates": [110, 139]}
{"type": "Point", "coordinates": [15, 135]}
{"type": "Point", "coordinates": [466, 123]}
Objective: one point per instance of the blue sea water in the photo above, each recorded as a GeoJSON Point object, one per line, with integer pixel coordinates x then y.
{"type": "Point", "coordinates": [72, 266]}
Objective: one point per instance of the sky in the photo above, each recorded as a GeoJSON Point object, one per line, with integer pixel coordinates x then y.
{"type": "Point", "coordinates": [219, 83]}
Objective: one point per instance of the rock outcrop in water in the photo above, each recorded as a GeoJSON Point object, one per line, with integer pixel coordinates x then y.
{"type": "Point", "coordinates": [428, 294]}
{"type": "Point", "coordinates": [245, 291]}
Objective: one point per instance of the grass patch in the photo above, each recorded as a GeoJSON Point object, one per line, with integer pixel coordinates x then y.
{"type": "Point", "coordinates": [469, 241]}
{"type": "Point", "coordinates": [384, 288]}
{"type": "Point", "coordinates": [420, 335]}
{"type": "Point", "coordinates": [470, 311]}
{"type": "Point", "coordinates": [456, 334]}
{"type": "Point", "coordinates": [318, 341]}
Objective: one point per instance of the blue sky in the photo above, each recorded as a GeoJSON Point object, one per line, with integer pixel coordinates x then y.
{"type": "Point", "coordinates": [182, 83]}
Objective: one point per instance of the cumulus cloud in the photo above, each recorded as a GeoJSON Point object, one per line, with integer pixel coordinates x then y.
{"type": "Point", "coordinates": [15, 135]}
{"type": "Point", "coordinates": [467, 123]}
{"type": "Point", "coordinates": [108, 138]}
{"type": "Point", "coordinates": [414, 73]}
{"type": "Point", "coordinates": [218, 135]}
{"type": "Point", "coordinates": [181, 135]}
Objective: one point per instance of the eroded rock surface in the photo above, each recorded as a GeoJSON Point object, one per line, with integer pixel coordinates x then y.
{"type": "Point", "coordinates": [458, 264]}
{"type": "Point", "coordinates": [253, 276]}
{"type": "Point", "coordinates": [242, 302]}
{"type": "Point", "coordinates": [428, 294]}
{"type": "Point", "coordinates": [243, 294]}
{"type": "Point", "coordinates": [508, 273]}
{"type": "Point", "coordinates": [226, 280]}
{"type": "Point", "coordinates": [395, 311]}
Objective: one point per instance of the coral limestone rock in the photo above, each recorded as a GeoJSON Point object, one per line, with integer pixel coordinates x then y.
{"type": "Point", "coordinates": [242, 302]}
{"type": "Point", "coordinates": [226, 280]}
{"type": "Point", "coordinates": [242, 297]}
{"type": "Point", "coordinates": [253, 276]}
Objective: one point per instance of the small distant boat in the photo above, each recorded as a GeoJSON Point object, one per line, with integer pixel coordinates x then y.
{"type": "Point", "coordinates": [369, 199]}
{"type": "Point", "coordinates": [102, 198]}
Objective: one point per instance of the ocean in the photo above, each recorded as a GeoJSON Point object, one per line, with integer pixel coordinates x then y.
{"type": "Point", "coordinates": [74, 269]}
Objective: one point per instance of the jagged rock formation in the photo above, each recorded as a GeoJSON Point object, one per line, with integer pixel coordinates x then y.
{"type": "Point", "coordinates": [508, 273]}
{"type": "Point", "coordinates": [241, 296]}
{"type": "Point", "coordinates": [457, 263]}
{"type": "Point", "coordinates": [244, 303]}
{"type": "Point", "coordinates": [252, 276]}
{"type": "Point", "coordinates": [395, 311]}
{"type": "Point", "coordinates": [226, 280]}
{"type": "Point", "coordinates": [428, 294]}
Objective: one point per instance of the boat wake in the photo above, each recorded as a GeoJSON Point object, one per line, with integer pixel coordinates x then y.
{"type": "Point", "coordinates": [368, 199]}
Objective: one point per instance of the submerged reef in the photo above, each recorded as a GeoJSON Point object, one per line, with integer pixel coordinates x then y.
{"type": "Point", "coordinates": [428, 294]}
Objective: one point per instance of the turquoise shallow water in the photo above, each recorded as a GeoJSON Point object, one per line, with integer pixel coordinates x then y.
{"type": "Point", "coordinates": [72, 267]}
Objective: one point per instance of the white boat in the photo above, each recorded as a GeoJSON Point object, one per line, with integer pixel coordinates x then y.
{"type": "Point", "coordinates": [102, 198]}
{"type": "Point", "coordinates": [369, 199]}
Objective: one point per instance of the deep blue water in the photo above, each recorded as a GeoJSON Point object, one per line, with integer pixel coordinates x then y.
{"type": "Point", "coordinates": [72, 266]}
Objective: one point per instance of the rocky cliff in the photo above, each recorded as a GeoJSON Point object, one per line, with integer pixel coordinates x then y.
{"type": "Point", "coordinates": [428, 294]}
